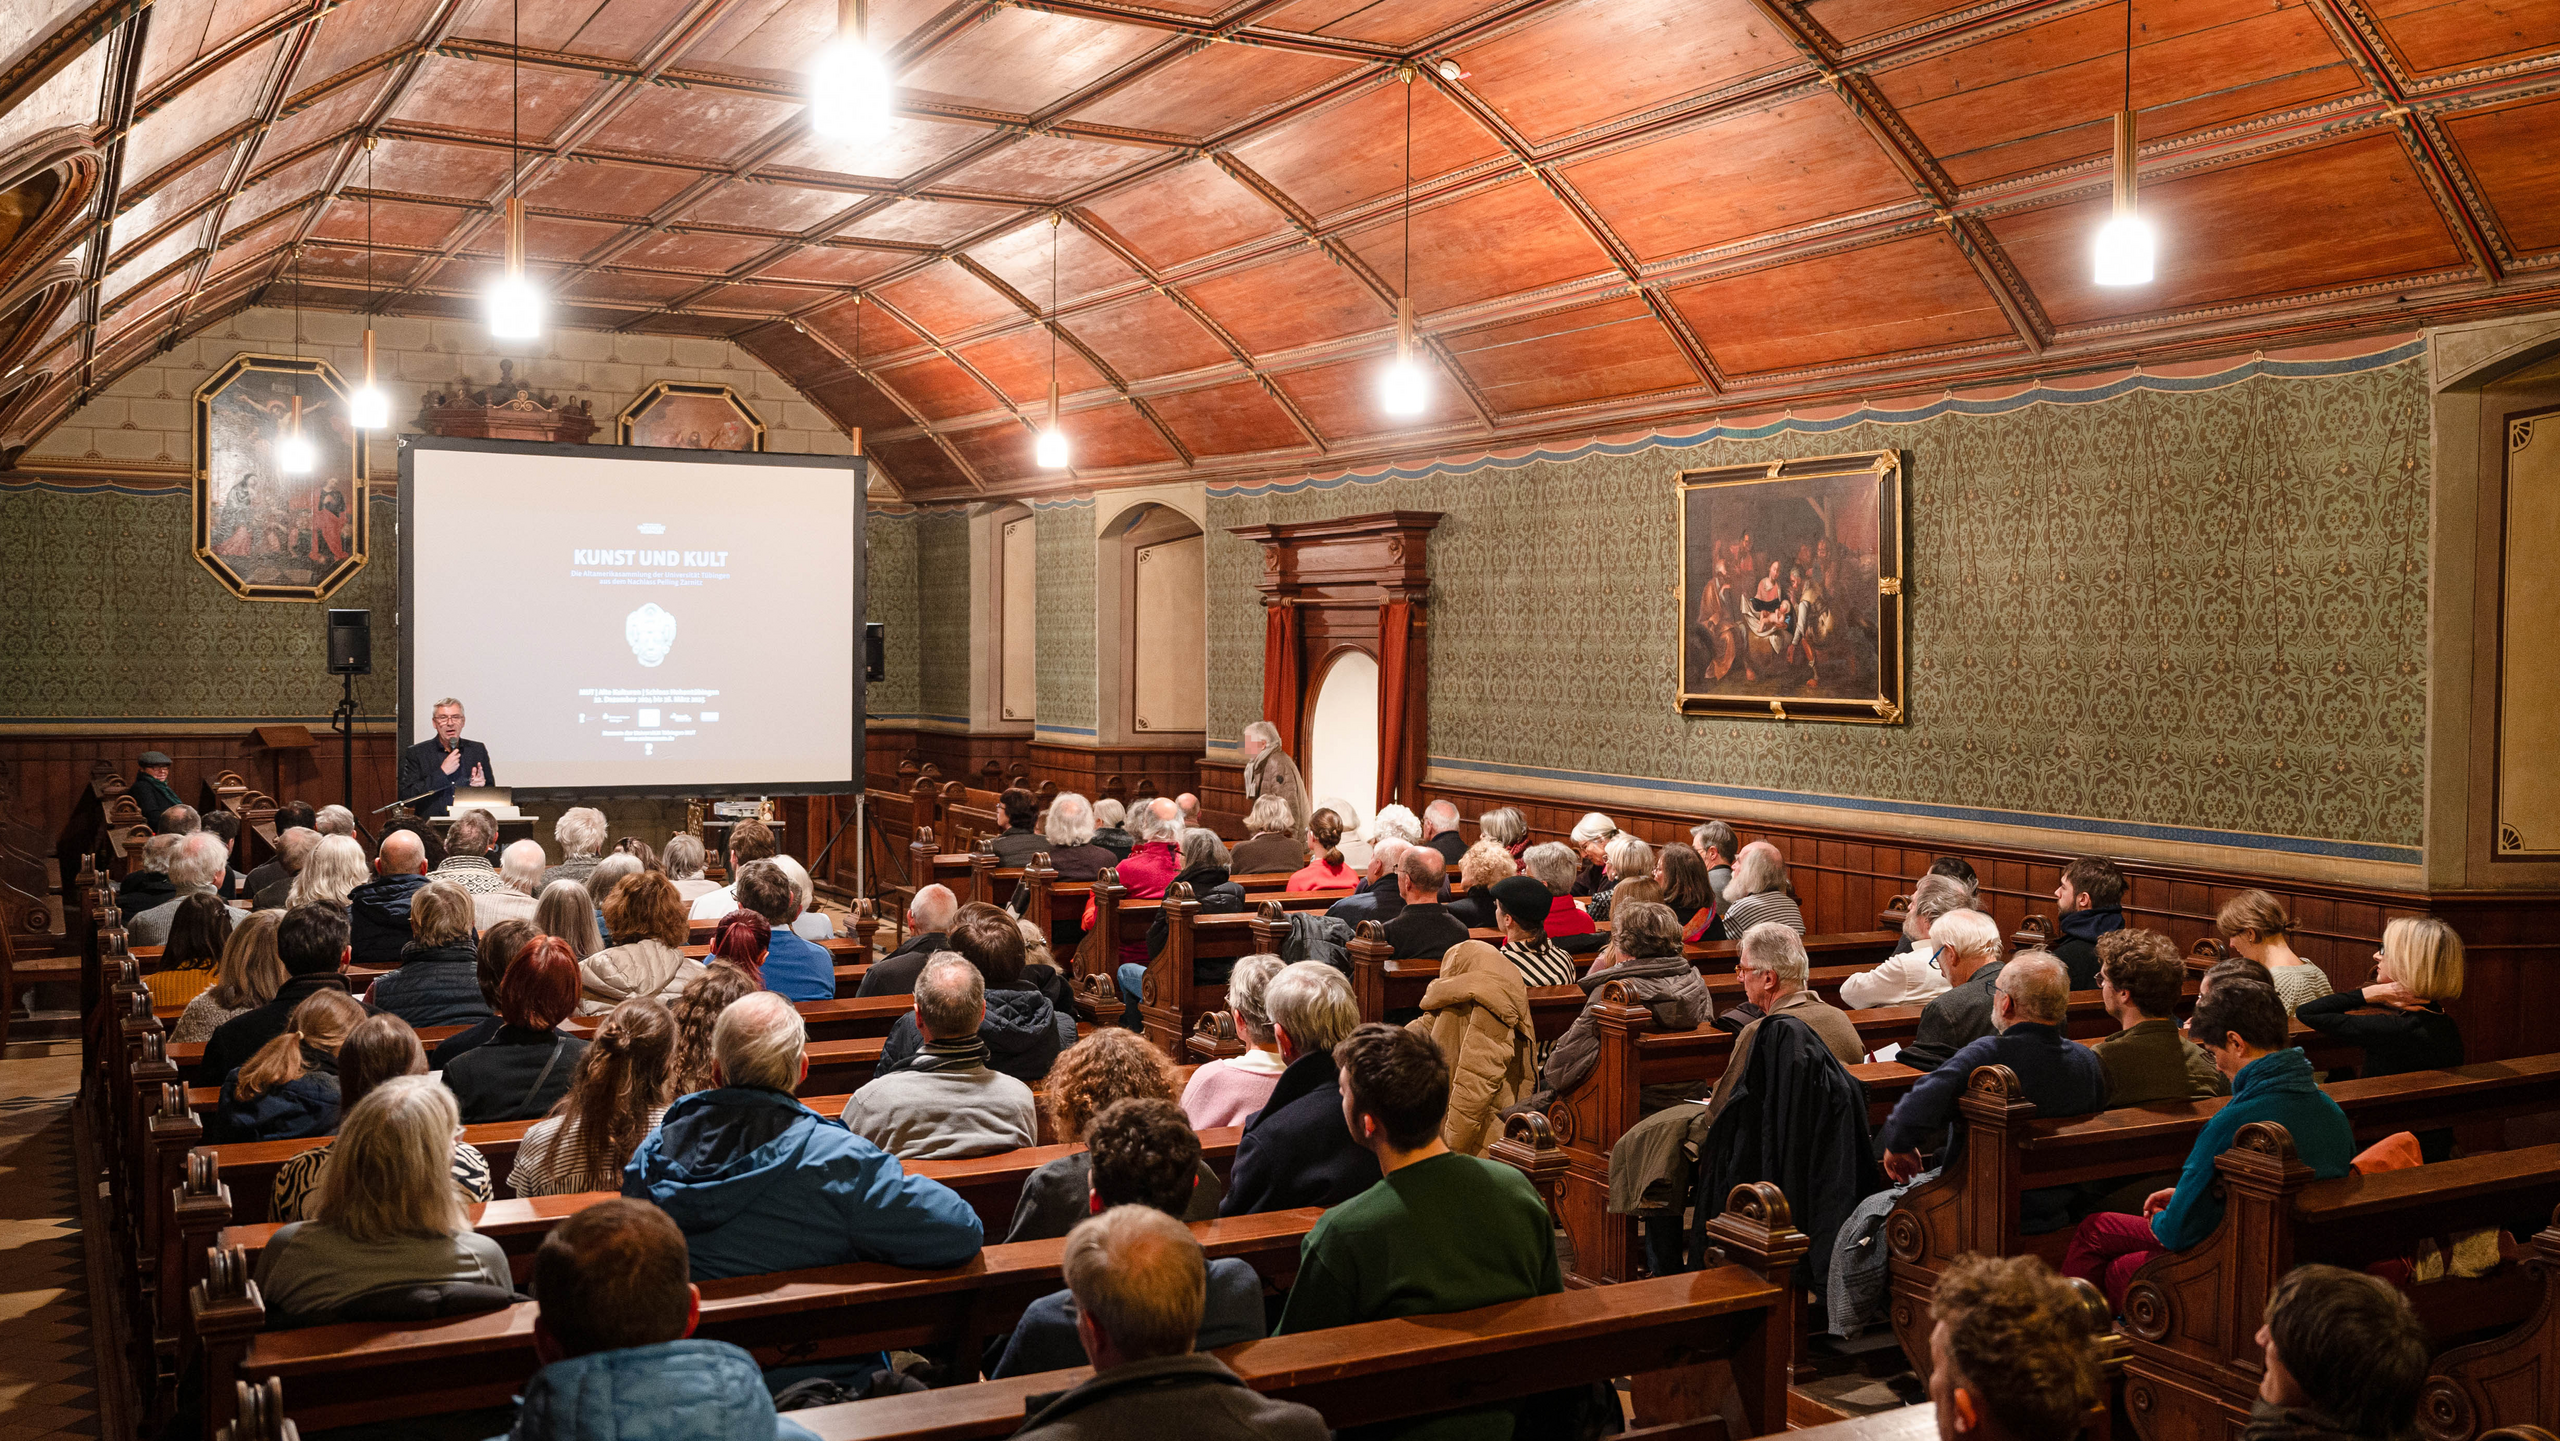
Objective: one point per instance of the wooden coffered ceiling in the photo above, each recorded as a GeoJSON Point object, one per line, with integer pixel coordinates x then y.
{"type": "Point", "coordinates": [1622, 210]}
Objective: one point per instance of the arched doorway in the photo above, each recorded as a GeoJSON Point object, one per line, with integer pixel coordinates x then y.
{"type": "Point", "coordinates": [1342, 734]}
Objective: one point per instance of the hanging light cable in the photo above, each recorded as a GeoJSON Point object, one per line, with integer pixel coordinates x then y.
{"type": "Point", "coordinates": [851, 95]}
{"type": "Point", "coordinates": [1404, 389]}
{"type": "Point", "coordinates": [294, 455]}
{"type": "Point", "coordinates": [2126, 243]}
{"type": "Point", "coordinates": [1051, 452]}
{"type": "Point", "coordinates": [515, 304]}
{"type": "Point", "coordinates": [368, 408]}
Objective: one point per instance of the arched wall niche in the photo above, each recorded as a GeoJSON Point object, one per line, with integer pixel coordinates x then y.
{"type": "Point", "coordinates": [1340, 753]}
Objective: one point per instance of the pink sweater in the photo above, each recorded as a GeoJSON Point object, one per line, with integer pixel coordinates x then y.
{"type": "Point", "coordinates": [1228, 1092]}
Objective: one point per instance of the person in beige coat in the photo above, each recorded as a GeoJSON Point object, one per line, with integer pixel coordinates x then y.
{"type": "Point", "coordinates": [648, 919]}
{"type": "Point", "coordinates": [1477, 1015]}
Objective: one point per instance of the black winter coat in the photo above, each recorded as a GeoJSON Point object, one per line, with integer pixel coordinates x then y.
{"type": "Point", "coordinates": [435, 986]}
{"type": "Point", "coordinates": [1296, 1151]}
{"type": "Point", "coordinates": [514, 1076]}
{"type": "Point", "coordinates": [1797, 1119]}
{"type": "Point", "coordinates": [378, 918]}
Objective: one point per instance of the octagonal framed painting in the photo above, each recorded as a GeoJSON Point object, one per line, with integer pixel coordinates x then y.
{"type": "Point", "coordinates": [688, 415]}
{"type": "Point", "coordinates": [271, 524]}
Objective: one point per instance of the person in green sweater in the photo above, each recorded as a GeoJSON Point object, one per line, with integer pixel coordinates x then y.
{"type": "Point", "coordinates": [1440, 1232]}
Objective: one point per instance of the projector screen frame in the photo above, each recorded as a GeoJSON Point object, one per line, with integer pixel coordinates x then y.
{"type": "Point", "coordinates": [858, 466]}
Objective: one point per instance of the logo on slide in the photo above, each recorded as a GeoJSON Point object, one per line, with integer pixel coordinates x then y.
{"type": "Point", "coordinates": [651, 631]}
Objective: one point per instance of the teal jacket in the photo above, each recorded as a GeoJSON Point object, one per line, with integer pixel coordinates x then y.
{"type": "Point", "coordinates": [2279, 1087]}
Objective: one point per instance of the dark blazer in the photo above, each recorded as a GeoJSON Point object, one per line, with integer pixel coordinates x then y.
{"type": "Point", "coordinates": [1424, 931]}
{"type": "Point", "coordinates": [1953, 1021]}
{"type": "Point", "coordinates": [895, 974]}
{"type": "Point", "coordinates": [1377, 901]}
{"type": "Point", "coordinates": [1450, 845]}
{"type": "Point", "coordinates": [1296, 1151]}
{"type": "Point", "coordinates": [422, 769]}
{"type": "Point", "coordinates": [240, 1037]}
{"type": "Point", "coordinates": [514, 1076]}
{"type": "Point", "coordinates": [1016, 847]}
{"type": "Point", "coordinates": [1475, 909]}
{"type": "Point", "coordinates": [1797, 1119]}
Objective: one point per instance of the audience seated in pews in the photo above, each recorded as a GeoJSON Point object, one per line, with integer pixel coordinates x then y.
{"type": "Point", "coordinates": [1017, 843]}
{"type": "Point", "coordinates": [1022, 1029]}
{"type": "Point", "coordinates": [580, 832]}
{"type": "Point", "coordinates": [148, 885]}
{"type": "Point", "coordinates": [1476, 1014]}
{"type": "Point", "coordinates": [2030, 1002]}
{"type": "Point", "coordinates": [1421, 926]}
{"type": "Point", "coordinates": [1324, 870]}
{"type": "Point", "coordinates": [385, 1218]}
{"type": "Point", "coordinates": [199, 929]}
{"type": "Point", "coordinates": [1590, 839]}
{"type": "Point", "coordinates": [290, 1087]}
{"type": "Point", "coordinates": [1227, 1091]}
{"type": "Point", "coordinates": [1968, 945]}
{"type": "Point", "coordinates": [520, 881]}
{"type": "Point", "coordinates": [271, 885]}
{"type": "Point", "coordinates": [1646, 964]}
{"type": "Point", "coordinates": [2346, 1357]}
{"type": "Point", "coordinates": [762, 1183]}
{"type": "Point", "coordinates": [1552, 864]}
{"type": "Point", "coordinates": [1912, 977]}
{"type": "Point", "coordinates": [647, 956]}
{"type": "Point", "coordinates": [525, 1066]}
{"type": "Point", "coordinates": [499, 946]}
{"type": "Point", "coordinates": [566, 913]}
{"type": "Point", "coordinates": [2257, 925]}
{"type": "Point", "coordinates": [378, 910]}
{"type": "Point", "coordinates": [614, 1331]}
{"type": "Point", "coordinates": [1629, 876]}
{"type": "Point", "coordinates": [929, 917]}
{"type": "Point", "coordinates": [196, 866]}
{"type": "Point", "coordinates": [2418, 969]}
{"type": "Point", "coordinates": [1682, 878]}
{"type": "Point", "coordinates": [943, 1102]}
{"type": "Point", "coordinates": [1140, 1281]}
{"type": "Point", "coordinates": [1271, 842]}
{"type": "Point", "coordinates": [616, 1096]}
{"type": "Point", "coordinates": [2091, 895]}
{"type": "Point", "coordinates": [1505, 827]}
{"type": "Point", "coordinates": [1094, 1075]}
{"type": "Point", "coordinates": [467, 844]}
{"type": "Point", "coordinates": [334, 821]}
{"type": "Point", "coordinates": [312, 943]}
{"type": "Point", "coordinates": [2010, 1356]}
{"type": "Point", "coordinates": [1479, 867]}
{"type": "Point", "coordinates": [1144, 873]}
{"type": "Point", "coordinates": [1440, 830]}
{"type": "Point", "coordinates": [749, 840]}
{"type": "Point", "coordinates": [1760, 891]}
{"type": "Point", "coordinates": [438, 982]}
{"type": "Point", "coordinates": [1521, 905]}
{"type": "Point", "coordinates": [248, 977]}
{"type": "Point", "coordinates": [1716, 845]}
{"type": "Point", "coordinates": [1296, 1150]}
{"type": "Point", "coordinates": [794, 965]}
{"type": "Point", "coordinates": [289, 817]}
{"type": "Point", "coordinates": [811, 924]}
{"type": "Point", "coordinates": [378, 1049]}
{"type": "Point", "coordinates": [1109, 832]}
{"type": "Point", "coordinates": [684, 859]}
{"type": "Point", "coordinates": [1438, 1232]}
{"type": "Point", "coordinates": [2140, 976]}
{"type": "Point", "coordinates": [2241, 1024]}
{"type": "Point", "coordinates": [601, 883]}
{"type": "Point", "coordinates": [1771, 963]}
{"type": "Point", "coordinates": [1138, 1152]}
{"type": "Point", "coordinates": [1069, 836]}
{"type": "Point", "coordinates": [696, 1012]}
{"type": "Point", "coordinates": [1381, 893]}
{"type": "Point", "coordinates": [1217, 895]}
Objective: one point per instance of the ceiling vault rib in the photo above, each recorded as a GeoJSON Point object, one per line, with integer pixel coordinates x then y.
{"type": "Point", "coordinates": [124, 74]}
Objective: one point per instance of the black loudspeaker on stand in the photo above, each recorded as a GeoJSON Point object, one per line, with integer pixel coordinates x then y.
{"type": "Point", "coordinates": [350, 655]}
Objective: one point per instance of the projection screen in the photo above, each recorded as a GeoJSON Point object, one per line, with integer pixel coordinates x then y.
{"type": "Point", "coordinates": [627, 621]}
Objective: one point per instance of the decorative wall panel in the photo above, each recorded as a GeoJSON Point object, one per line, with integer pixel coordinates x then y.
{"type": "Point", "coordinates": [1070, 706]}
{"type": "Point", "coordinates": [942, 605]}
{"type": "Point", "coordinates": [892, 602]}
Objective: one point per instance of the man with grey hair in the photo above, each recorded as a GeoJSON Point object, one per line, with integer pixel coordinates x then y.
{"type": "Point", "coordinates": [1969, 953]}
{"type": "Point", "coordinates": [1109, 829]}
{"type": "Point", "coordinates": [1423, 928]}
{"type": "Point", "coordinates": [2031, 998]}
{"type": "Point", "coordinates": [1140, 1284]}
{"type": "Point", "coordinates": [929, 917]}
{"type": "Point", "coordinates": [1715, 843]}
{"type": "Point", "coordinates": [1759, 891]}
{"type": "Point", "coordinates": [148, 884]}
{"type": "Point", "coordinates": [293, 847]}
{"type": "Point", "coordinates": [760, 1183]}
{"type": "Point", "coordinates": [684, 859]}
{"type": "Point", "coordinates": [1396, 822]}
{"type": "Point", "coordinates": [1772, 966]}
{"type": "Point", "coordinates": [1297, 1150]}
{"type": "Point", "coordinates": [431, 769]}
{"type": "Point", "coordinates": [946, 1104]}
{"type": "Point", "coordinates": [334, 821]}
{"type": "Point", "coordinates": [1380, 897]}
{"type": "Point", "coordinates": [580, 832]}
{"type": "Point", "coordinates": [197, 863]}
{"type": "Point", "coordinates": [1912, 977]}
{"type": "Point", "coordinates": [520, 868]}
{"type": "Point", "coordinates": [378, 910]}
{"type": "Point", "coordinates": [1269, 771]}
{"type": "Point", "coordinates": [1440, 829]}
{"type": "Point", "coordinates": [179, 820]}
{"type": "Point", "coordinates": [467, 843]}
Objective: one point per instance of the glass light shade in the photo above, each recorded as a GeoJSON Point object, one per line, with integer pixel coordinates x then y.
{"type": "Point", "coordinates": [515, 309]}
{"type": "Point", "coordinates": [1051, 452]}
{"type": "Point", "coordinates": [369, 408]}
{"type": "Point", "coordinates": [296, 455]}
{"type": "Point", "coordinates": [2126, 245]}
{"type": "Point", "coordinates": [1405, 389]}
{"type": "Point", "coordinates": [850, 93]}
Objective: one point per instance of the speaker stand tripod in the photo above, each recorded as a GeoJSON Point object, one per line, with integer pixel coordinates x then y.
{"type": "Point", "coordinates": [343, 721]}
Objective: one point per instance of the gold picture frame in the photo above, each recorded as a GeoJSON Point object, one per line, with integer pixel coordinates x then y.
{"type": "Point", "coordinates": [267, 534]}
{"type": "Point", "coordinates": [688, 415]}
{"type": "Point", "coordinates": [1792, 590]}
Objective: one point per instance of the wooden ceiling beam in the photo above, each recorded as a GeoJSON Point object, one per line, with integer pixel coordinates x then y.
{"type": "Point", "coordinates": [941, 441]}
{"type": "Point", "coordinates": [124, 71]}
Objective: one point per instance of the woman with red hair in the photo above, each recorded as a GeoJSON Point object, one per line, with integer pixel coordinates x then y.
{"type": "Point", "coordinates": [527, 1065]}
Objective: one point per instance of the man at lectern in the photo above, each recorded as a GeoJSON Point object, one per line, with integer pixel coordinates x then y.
{"type": "Point", "coordinates": [447, 761]}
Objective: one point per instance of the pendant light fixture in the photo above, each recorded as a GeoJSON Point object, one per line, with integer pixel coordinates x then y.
{"type": "Point", "coordinates": [2126, 243]}
{"type": "Point", "coordinates": [515, 304]}
{"type": "Point", "coordinates": [1051, 452]}
{"type": "Point", "coordinates": [850, 92]}
{"type": "Point", "coordinates": [1405, 389]}
{"type": "Point", "coordinates": [294, 454]}
{"type": "Point", "coordinates": [368, 408]}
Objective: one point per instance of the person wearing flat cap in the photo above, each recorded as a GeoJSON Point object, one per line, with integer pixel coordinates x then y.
{"type": "Point", "coordinates": [150, 790]}
{"type": "Point", "coordinates": [1520, 906]}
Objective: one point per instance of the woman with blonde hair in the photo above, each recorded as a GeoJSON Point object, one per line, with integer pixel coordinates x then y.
{"type": "Point", "coordinates": [2258, 926]}
{"type": "Point", "coordinates": [290, 1087]}
{"type": "Point", "coordinates": [651, 926]}
{"type": "Point", "coordinates": [190, 957]}
{"type": "Point", "coordinates": [438, 982]}
{"type": "Point", "coordinates": [330, 873]}
{"type": "Point", "coordinates": [1479, 866]}
{"type": "Point", "coordinates": [377, 1050]}
{"type": "Point", "coordinates": [1110, 1065]}
{"type": "Point", "coordinates": [1629, 876]}
{"type": "Point", "coordinates": [566, 910]}
{"type": "Point", "coordinates": [616, 1099]}
{"type": "Point", "coordinates": [1476, 1014]}
{"type": "Point", "coordinates": [249, 976]}
{"type": "Point", "coordinates": [696, 1013]}
{"type": "Point", "coordinates": [385, 1216]}
{"type": "Point", "coordinates": [2418, 969]}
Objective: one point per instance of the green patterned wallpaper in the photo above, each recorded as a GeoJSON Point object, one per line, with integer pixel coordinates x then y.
{"type": "Point", "coordinates": [1070, 701]}
{"type": "Point", "coordinates": [890, 596]}
{"type": "Point", "coordinates": [942, 615]}
{"type": "Point", "coordinates": [2191, 608]}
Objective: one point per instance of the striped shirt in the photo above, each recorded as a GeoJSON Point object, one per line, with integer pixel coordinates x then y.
{"type": "Point", "coordinates": [297, 1178]}
{"type": "Point", "coordinates": [1542, 963]}
{"type": "Point", "coordinates": [547, 1165]}
{"type": "Point", "coordinates": [1741, 915]}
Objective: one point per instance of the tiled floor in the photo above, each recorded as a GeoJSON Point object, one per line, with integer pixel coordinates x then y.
{"type": "Point", "coordinates": [47, 1369]}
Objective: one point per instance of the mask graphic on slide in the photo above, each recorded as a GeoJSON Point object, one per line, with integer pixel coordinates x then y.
{"type": "Point", "coordinates": [651, 631]}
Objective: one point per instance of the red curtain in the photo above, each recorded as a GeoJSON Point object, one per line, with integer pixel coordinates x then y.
{"type": "Point", "coordinates": [1283, 679]}
{"type": "Point", "coordinates": [1395, 646]}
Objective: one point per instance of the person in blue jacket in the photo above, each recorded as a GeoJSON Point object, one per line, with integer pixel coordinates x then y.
{"type": "Point", "coordinates": [2242, 1025]}
{"type": "Point", "coordinates": [614, 1333]}
{"type": "Point", "coordinates": [759, 1182]}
